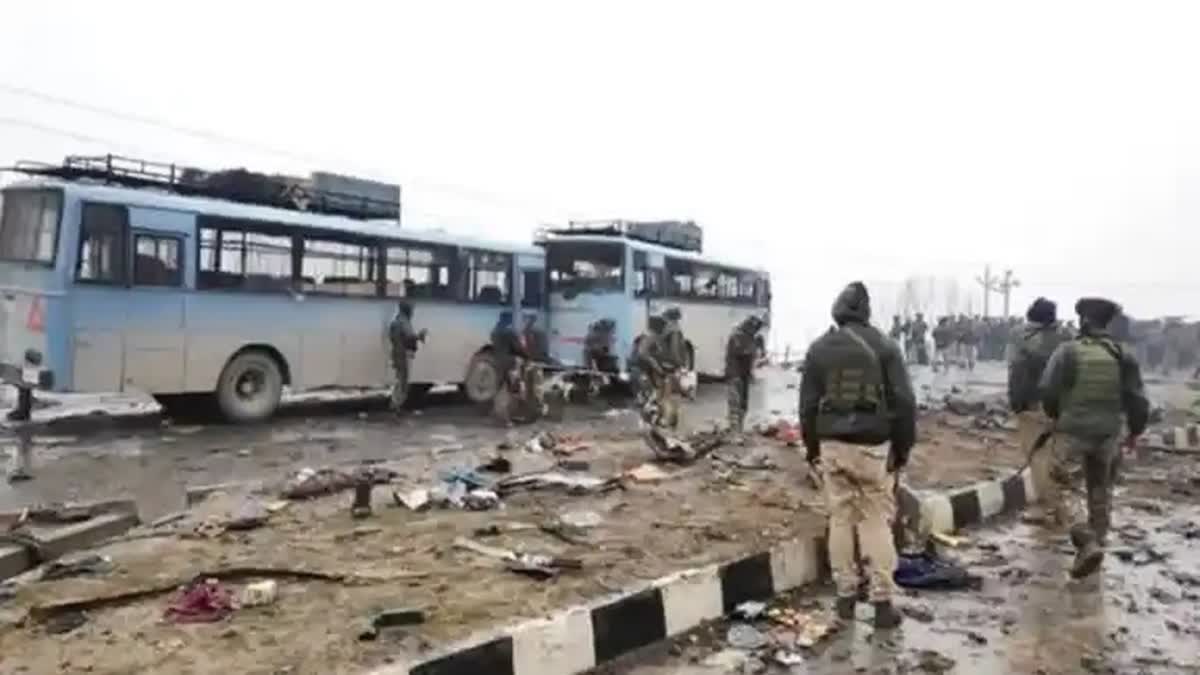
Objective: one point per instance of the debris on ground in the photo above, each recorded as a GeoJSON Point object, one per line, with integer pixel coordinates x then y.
{"type": "Point", "coordinates": [481, 500]}
{"type": "Point", "coordinates": [750, 610]}
{"type": "Point", "coordinates": [361, 506]}
{"type": "Point", "coordinates": [89, 564]}
{"type": "Point", "coordinates": [538, 566]}
{"type": "Point", "coordinates": [204, 601]}
{"type": "Point", "coordinates": [250, 514]}
{"type": "Point", "coordinates": [758, 461]}
{"type": "Point", "coordinates": [391, 618]}
{"type": "Point", "coordinates": [259, 594]}
{"type": "Point", "coordinates": [496, 465]}
{"type": "Point", "coordinates": [918, 612]}
{"type": "Point", "coordinates": [65, 623]}
{"type": "Point", "coordinates": [574, 483]}
{"type": "Point", "coordinates": [787, 659]}
{"type": "Point", "coordinates": [927, 572]}
{"type": "Point", "coordinates": [931, 661]}
{"type": "Point", "coordinates": [581, 519]}
{"type": "Point", "coordinates": [414, 500]}
{"type": "Point", "coordinates": [308, 483]}
{"type": "Point", "coordinates": [1141, 555]}
{"type": "Point", "coordinates": [809, 629]}
{"type": "Point", "coordinates": [668, 448]}
{"type": "Point", "coordinates": [745, 637]}
{"type": "Point", "coordinates": [647, 473]}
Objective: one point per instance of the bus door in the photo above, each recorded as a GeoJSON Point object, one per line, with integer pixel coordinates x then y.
{"type": "Point", "coordinates": [156, 326]}
{"type": "Point", "coordinates": [99, 298]}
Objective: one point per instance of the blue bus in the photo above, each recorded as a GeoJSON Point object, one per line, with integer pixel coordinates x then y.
{"type": "Point", "coordinates": [111, 284]}
{"type": "Point", "coordinates": [606, 278]}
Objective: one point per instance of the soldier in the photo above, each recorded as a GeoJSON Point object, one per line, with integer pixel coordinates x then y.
{"type": "Point", "coordinates": [508, 349]}
{"type": "Point", "coordinates": [943, 343]}
{"type": "Point", "coordinates": [651, 371]}
{"type": "Point", "coordinates": [1087, 384]}
{"type": "Point", "coordinates": [916, 340]}
{"type": "Point", "coordinates": [741, 351]}
{"type": "Point", "coordinates": [404, 341]}
{"type": "Point", "coordinates": [1030, 354]}
{"type": "Point", "coordinates": [897, 332]}
{"type": "Point", "coordinates": [674, 357]}
{"type": "Point", "coordinates": [857, 411]}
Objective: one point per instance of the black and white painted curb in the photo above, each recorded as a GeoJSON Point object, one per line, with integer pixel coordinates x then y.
{"type": "Point", "coordinates": [580, 638]}
{"type": "Point", "coordinates": [971, 505]}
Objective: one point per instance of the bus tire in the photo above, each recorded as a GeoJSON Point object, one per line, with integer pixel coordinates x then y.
{"type": "Point", "coordinates": [250, 387]}
{"type": "Point", "coordinates": [483, 379]}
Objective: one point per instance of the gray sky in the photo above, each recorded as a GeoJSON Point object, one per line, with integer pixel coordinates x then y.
{"type": "Point", "coordinates": [825, 141]}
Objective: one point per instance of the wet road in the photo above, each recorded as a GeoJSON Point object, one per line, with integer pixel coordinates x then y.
{"type": "Point", "coordinates": [1140, 616]}
{"type": "Point", "coordinates": [155, 466]}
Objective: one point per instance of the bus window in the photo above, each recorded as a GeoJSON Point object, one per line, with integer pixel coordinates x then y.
{"type": "Point", "coordinates": [418, 271]}
{"type": "Point", "coordinates": [680, 276]}
{"type": "Point", "coordinates": [531, 288]}
{"type": "Point", "coordinates": [647, 280]}
{"type": "Point", "coordinates": [487, 277]}
{"type": "Point", "coordinates": [747, 288]}
{"type": "Point", "coordinates": [704, 281]}
{"type": "Point", "coordinates": [727, 286]}
{"type": "Point", "coordinates": [581, 267]}
{"type": "Point", "coordinates": [29, 225]}
{"type": "Point", "coordinates": [338, 267]}
{"type": "Point", "coordinates": [235, 257]}
{"type": "Point", "coordinates": [156, 261]}
{"type": "Point", "coordinates": [102, 244]}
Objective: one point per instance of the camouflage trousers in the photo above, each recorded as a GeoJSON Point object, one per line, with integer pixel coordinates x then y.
{"type": "Point", "coordinates": [666, 399]}
{"type": "Point", "coordinates": [400, 368]}
{"type": "Point", "coordinates": [521, 389]}
{"type": "Point", "coordinates": [737, 400]}
{"type": "Point", "coordinates": [1080, 473]}
{"type": "Point", "coordinates": [1030, 425]}
{"type": "Point", "coordinates": [860, 495]}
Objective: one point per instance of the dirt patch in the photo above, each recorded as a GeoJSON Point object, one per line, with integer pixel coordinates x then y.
{"type": "Point", "coordinates": [696, 515]}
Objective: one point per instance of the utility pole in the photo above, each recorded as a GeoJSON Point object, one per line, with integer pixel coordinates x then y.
{"type": "Point", "coordinates": [1005, 287]}
{"type": "Point", "coordinates": [989, 284]}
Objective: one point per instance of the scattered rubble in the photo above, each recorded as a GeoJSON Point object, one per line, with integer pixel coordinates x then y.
{"type": "Point", "coordinates": [88, 564]}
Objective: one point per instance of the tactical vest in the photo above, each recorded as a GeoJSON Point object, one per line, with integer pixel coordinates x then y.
{"type": "Point", "coordinates": [1097, 385]}
{"type": "Point", "coordinates": [854, 405]}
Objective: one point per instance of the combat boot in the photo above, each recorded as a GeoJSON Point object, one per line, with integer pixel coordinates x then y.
{"type": "Point", "coordinates": [845, 607]}
{"type": "Point", "coordinates": [1088, 552]}
{"type": "Point", "coordinates": [886, 616]}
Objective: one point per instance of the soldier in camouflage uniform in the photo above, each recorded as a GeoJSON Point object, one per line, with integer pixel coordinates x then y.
{"type": "Point", "coordinates": [404, 342]}
{"type": "Point", "coordinates": [858, 420]}
{"type": "Point", "coordinates": [1032, 351]}
{"type": "Point", "coordinates": [650, 370]}
{"type": "Point", "coordinates": [673, 356]}
{"type": "Point", "coordinates": [741, 351]}
{"type": "Point", "coordinates": [1086, 386]}
{"type": "Point", "coordinates": [510, 354]}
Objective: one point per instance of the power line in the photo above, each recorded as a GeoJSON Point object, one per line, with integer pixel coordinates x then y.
{"type": "Point", "coordinates": [470, 194]}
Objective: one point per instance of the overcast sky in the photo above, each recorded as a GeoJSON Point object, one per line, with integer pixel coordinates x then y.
{"type": "Point", "coordinates": [824, 141]}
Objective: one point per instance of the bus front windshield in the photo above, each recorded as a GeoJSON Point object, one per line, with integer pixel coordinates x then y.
{"type": "Point", "coordinates": [586, 267]}
{"type": "Point", "coordinates": [29, 225]}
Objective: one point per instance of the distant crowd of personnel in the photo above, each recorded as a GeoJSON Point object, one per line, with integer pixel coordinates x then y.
{"type": "Point", "coordinates": [1161, 345]}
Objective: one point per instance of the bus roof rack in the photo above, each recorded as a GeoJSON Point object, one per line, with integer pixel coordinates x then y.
{"type": "Point", "coordinates": [684, 235]}
{"type": "Point", "coordinates": [323, 193]}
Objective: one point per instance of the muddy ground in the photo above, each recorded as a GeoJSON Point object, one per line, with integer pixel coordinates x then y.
{"type": "Point", "coordinates": [1139, 616]}
{"type": "Point", "coordinates": [698, 514]}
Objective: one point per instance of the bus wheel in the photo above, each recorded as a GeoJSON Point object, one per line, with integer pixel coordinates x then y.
{"type": "Point", "coordinates": [250, 387]}
{"type": "Point", "coordinates": [483, 379]}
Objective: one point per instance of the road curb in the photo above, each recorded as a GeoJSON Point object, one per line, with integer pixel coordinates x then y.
{"type": "Point", "coordinates": [947, 511]}
{"type": "Point", "coordinates": [580, 638]}
{"type": "Point", "coordinates": [15, 560]}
